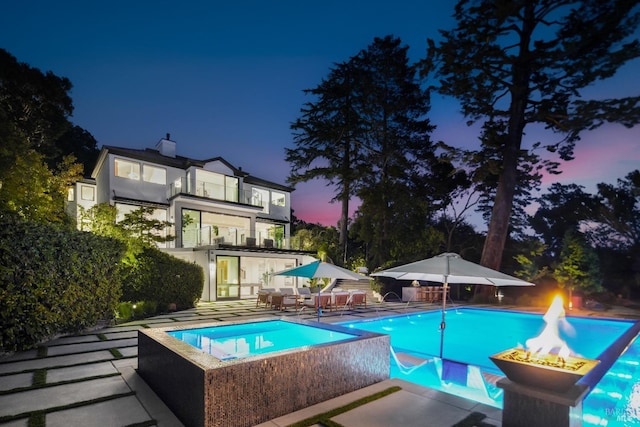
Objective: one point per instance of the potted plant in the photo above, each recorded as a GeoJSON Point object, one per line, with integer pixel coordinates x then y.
{"type": "Point", "coordinates": [314, 286]}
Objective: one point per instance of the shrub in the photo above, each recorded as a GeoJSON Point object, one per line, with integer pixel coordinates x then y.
{"type": "Point", "coordinates": [54, 280]}
{"type": "Point", "coordinates": [165, 279]}
{"type": "Point", "coordinates": [128, 310]}
{"type": "Point", "coordinates": [150, 307]}
{"type": "Point", "coordinates": [124, 311]}
{"type": "Point", "coordinates": [138, 310]}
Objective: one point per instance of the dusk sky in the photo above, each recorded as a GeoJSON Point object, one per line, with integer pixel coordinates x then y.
{"type": "Point", "coordinates": [226, 78]}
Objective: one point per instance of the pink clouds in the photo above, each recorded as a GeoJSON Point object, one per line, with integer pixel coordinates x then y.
{"type": "Point", "coordinates": [311, 202]}
{"type": "Point", "coordinates": [603, 155]}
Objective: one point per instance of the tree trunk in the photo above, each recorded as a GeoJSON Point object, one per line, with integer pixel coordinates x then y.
{"type": "Point", "coordinates": [344, 221]}
{"type": "Point", "coordinates": [346, 166]}
{"type": "Point", "coordinates": [500, 215]}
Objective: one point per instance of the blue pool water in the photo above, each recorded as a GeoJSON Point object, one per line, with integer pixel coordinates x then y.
{"type": "Point", "coordinates": [472, 335]}
{"type": "Point", "coordinates": [615, 400]}
{"type": "Point", "coordinates": [249, 339]}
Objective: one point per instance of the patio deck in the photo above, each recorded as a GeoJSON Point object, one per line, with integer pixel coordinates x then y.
{"type": "Point", "coordinates": [91, 379]}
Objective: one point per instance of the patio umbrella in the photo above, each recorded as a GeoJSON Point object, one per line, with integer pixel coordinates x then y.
{"type": "Point", "coordinates": [319, 270]}
{"type": "Point", "coordinates": [449, 268]}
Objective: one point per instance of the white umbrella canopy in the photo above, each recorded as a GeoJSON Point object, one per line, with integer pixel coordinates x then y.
{"type": "Point", "coordinates": [319, 269]}
{"type": "Point", "coordinates": [450, 268]}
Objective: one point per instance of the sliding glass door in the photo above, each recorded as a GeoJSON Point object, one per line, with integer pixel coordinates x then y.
{"type": "Point", "coordinates": [228, 276]}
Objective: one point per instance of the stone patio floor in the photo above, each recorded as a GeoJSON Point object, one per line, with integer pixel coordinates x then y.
{"type": "Point", "coordinates": [91, 380]}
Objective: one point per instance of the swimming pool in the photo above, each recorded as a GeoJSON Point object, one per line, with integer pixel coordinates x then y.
{"type": "Point", "coordinates": [472, 335]}
{"type": "Point", "coordinates": [249, 339]}
{"type": "Point", "coordinates": [615, 400]}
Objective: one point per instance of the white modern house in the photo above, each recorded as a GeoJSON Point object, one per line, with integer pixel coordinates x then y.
{"type": "Point", "coordinates": [236, 226]}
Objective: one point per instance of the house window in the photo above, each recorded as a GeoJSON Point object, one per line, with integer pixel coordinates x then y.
{"type": "Point", "coordinates": [228, 276]}
{"type": "Point", "coordinates": [228, 229]}
{"type": "Point", "coordinates": [277, 199]}
{"type": "Point", "coordinates": [154, 174]}
{"type": "Point", "coordinates": [190, 228]}
{"type": "Point", "coordinates": [71, 195]}
{"type": "Point", "coordinates": [260, 198]}
{"type": "Point", "coordinates": [125, 169]}
{"type": "Point", "coordinates": [87, 193]}
{"type": "Point", "coordinates": [122, 210]}
{"type": "Point", "coordinates": [216, 186]}
{"type": "Point", "coordinates": [209, 184]}
{"type": "Point", "coordinates": [269, 231]}
{"type": "Point", "coordinates": [231, 188]}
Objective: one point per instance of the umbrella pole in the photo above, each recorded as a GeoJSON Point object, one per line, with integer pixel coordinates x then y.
{"type": "Point", "coordinates": [318, 309]}
{"type": "Point", "coordinates": [443, 323]}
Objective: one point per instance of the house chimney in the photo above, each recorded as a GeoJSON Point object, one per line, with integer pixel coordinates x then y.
{"type": "Point", "coordinates": [166, 147]}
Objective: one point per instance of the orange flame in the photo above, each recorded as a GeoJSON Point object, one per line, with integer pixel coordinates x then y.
{"type": "Point", "coordinates": [549, 339]}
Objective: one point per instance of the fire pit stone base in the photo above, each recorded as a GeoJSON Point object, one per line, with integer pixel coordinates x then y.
{"type": "Point", "coordinates": [536, 407]}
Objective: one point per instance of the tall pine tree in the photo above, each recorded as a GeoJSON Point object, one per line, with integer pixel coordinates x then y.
{"type": "Point", "coordinates": [517, 63]}
{"type": "Point", "coordinates": [367, 133]}
{"type": "Point", "coordinates": [326, 139]}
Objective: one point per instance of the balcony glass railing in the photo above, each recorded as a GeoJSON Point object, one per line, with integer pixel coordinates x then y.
{"type": "Point", "coordinates": [215, 192]}
{"type": "Point", "coordinates": [214, 236]}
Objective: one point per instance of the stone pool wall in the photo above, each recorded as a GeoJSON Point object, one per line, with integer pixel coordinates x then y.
{"type": "Point", "coordinates": [202, 390]}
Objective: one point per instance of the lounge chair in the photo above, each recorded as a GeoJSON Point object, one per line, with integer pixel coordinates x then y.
{"type": "Point", "coordinates": [358, 298]}
{"type": "Point", "coordinates": [484, 381]}
{"type": "Point", "coordinates": [304, 292]}
{"type": "Point", "coordinates": [408, 363]}
{"type": "Point", "coordinates": [341, 300]}
{"type": "Point", "coordinates": [324, 301]}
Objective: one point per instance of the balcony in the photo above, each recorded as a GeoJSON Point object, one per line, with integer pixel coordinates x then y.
{"type": "Point", "coordinates": [218, 192]}
{"type": "Point", "coordinates": [220, 236]}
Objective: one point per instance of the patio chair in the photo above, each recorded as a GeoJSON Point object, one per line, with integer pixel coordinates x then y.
{"type": "Point", "coordinates": [436, 293]}
{"type": "Point", "coordinates": [423, 294]}
{"type": "Point", "coordinates": [263, 296]}
{"type": "Point", "coordinates": [275, 299]}
{"type": "Point", "coordinates": [281, 301]}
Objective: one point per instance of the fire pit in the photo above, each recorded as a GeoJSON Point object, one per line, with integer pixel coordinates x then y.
{"type": "Point", "coordinates": [538, 366]}
{"type": "Point", "coordinates": [548, 371]}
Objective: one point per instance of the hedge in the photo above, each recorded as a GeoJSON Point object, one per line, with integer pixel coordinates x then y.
{"type": "Point", "coordinates": [54, 280]}
{"type": "Point", "coordinates": [165, 279]}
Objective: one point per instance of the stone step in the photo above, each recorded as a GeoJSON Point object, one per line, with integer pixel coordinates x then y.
{"type": "Point", "coordinates": [61, 395]}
